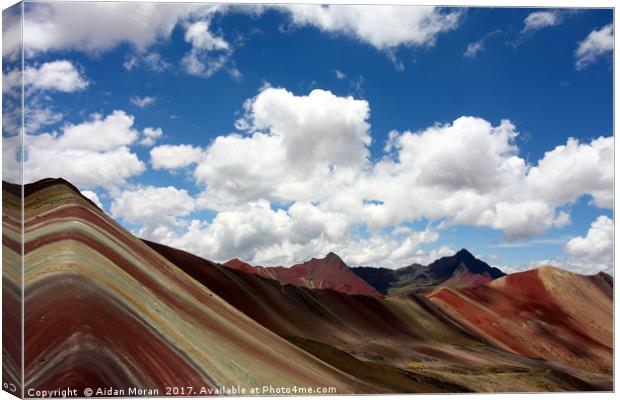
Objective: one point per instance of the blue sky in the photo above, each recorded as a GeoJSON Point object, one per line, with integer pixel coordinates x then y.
{"type": "Point", "coordinates": [549, 72]}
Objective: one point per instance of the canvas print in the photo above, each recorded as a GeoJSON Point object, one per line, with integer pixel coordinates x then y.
{"type": "Point", "coordinates": [207, 199]}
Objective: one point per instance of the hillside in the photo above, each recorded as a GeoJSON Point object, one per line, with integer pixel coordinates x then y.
{"type": "Point", "coordinates": [107, 309]}
{"type": "Point", "coordinates": [104, 309]}
{"type": "Point", "coordinates": [546, 312]}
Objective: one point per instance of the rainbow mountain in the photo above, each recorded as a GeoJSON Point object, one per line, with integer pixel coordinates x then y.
{"type": "Point", "coordinates": [104, 308]}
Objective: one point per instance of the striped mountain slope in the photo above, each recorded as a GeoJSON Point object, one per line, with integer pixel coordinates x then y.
{"type": "Point", "coordinates": [104, 309]}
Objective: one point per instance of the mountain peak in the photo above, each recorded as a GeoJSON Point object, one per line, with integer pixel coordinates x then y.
{"type": "Point", "coordinates": [464, 253]}
{"type": "Point", "coordinates": [446, 266]}
{"type": "Point", "coordinates": [331, 256]}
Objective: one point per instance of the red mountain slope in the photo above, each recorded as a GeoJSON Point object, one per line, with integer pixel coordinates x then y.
{"type": "Point", "coordinates": [547, 312]}
{"type": "Point", "coordinates": [462, 277]}
{"type": "Point", "coordinates": [406, 333]}
{"type": "Point", "coordinates": [105, 310]}
{"type": "Point", "coordinates": [318, 273]}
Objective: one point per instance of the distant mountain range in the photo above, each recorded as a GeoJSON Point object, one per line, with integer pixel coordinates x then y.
{"type": "Point", "coordinates": [318, 273]}
{"type": "Point", "coordinates": [154, 316]}
{"type": "Point", "coordinates": [460, 270]}
{"type": "Point", "coordinates": [457, 271]}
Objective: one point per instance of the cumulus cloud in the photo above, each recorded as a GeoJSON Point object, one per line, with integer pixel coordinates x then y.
{"type": "Point", "coordinates": [297, 181]}
{"type": "Point", "coordinates": [91, 154]}
{"type": "Point", "coordinates": [597, 242]}
{"type": "Point", "coordinates": [573, 169]}
{"type": "Point", "coordinates": [300, 148]}
{"type": "Point", "coordinates": [39, 81]}
{"type": "Point", "coordinates": [37, 116]}
{"type": "Point", "coordinates": [173, 157]}
{"type": "Point", "coordinates": [597, 44]}
{"type": "Point", "coordinates": [155, 208]}
{"type": "Point", "coordinates": [56, 75]}
{"type": "Point", "coordinates": [470, 173]}
{"type": "Point", "coordinates": [540, 19]}
{"type": "Point", "coordinates": [256, 232]}
{"type": "Point", "coordinates": [595, 251]}
{"type": "Point", "coordinates": [209, 52]}
{"type": "Point", "coordinates": [381, 26]}
{"type": "Point", "coordinates": [98, 27]}
{"type": "Point", "coordinates": [11, 33]}
{"type": "Point", "coordinates": [199, 35]}
{"type": "Point", "coordinates": [150, 136]}
{"type": "Point", "coordinates": [294, 147]}
{"type": "Point", "coordinates": [587, 254]}
{"type": "Point", "coordinates": [59, 76]}
{"type": "Point", "coordinates": [142, 101]}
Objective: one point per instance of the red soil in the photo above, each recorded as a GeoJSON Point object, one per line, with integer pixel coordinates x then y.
{"type": "Point", "coordinates": [547, 313]}
{"type": "Point", "coordinates": [318, 273]}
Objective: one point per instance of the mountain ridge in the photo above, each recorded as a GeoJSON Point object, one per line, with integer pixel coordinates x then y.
{"type": "Point", "coordinates": [329, 272]}
{"type": "Point", "coordinates": [456, 339]}
{"type": "Point", "coordinates": [419, 278]}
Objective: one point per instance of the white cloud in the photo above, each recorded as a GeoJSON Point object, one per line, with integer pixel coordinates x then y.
{"type": "Point", "coordinates": [209, 53]}
{"type": "Point", "coordinates": [571, 170]}
{"type": "Point", "coordinates": [97, 27]}
{"type": "Point", "coordinates": [595, 251]}
{"type": "Point", "coordinates": [150, 136]}
{"type": "Point", "coordinates": [469, 153]}
{"type": "Point", "coordinates": [468, 172]}
{"type": "Point", "coordinates": [340, 74]}
{"type": "Point", "coordinates": [237, 233]}
{"type": "Point", "coordinates": [584, 255]}
{"type": "Point", "coordinates": [91, 154]}
{"type": "Point", "coordinates": [296, 146]}
{"type": "Point", "coordinates": [318, 127]}
{"type": "Point", "coordinates": [308, 155]}
{"type": "Point", "coordinates": [200, 37]}
{"type": "Point", "coordinates": [256, 232]}
{"type": "Point", "coordinates": [173, 157]}
{"type": "Point", "coordinates": [380, 26]}
{"type": "Point", "coordinates": [59, 76]}
{"type": "Point", "coordinates": [152, 207]}
{"type": "Point", "coordinates": [11, 33]}
{"type": "Point", "coordinates": [92, 196]}
{"type": "Point", "coordinates": [142, 101]}
{"type": "Point", "coordinates": [36, 116]}
{"type": "Point", "coordinates": [473, 49]}
{"type": "Point", "coordinates": [540, 19]}
{"type": "Point", "coordinates": [598, 43]}
{"type": "Point", "coordinates": [152, 62]}
{"type": "Point", "coordinates": [521, 219]}
{"type": "Point", "coordinates": [53, 76]}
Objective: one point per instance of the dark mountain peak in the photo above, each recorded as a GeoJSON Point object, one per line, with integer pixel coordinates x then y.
{"type": "Point", "coordinates": [331, 256]}
{"type": "Point", "coordinates": [445, 266]}
{"type": "Point", "coordinates": [464, 254]}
